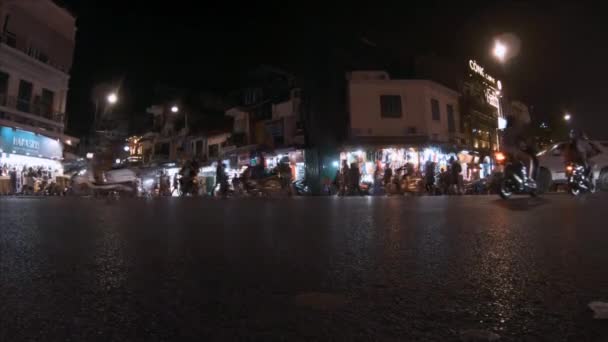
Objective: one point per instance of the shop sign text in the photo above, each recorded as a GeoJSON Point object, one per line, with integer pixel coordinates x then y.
{"type": "Point", "coordinates": [478, 69]}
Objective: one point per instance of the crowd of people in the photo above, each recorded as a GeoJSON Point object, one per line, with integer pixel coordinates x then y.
{"type": "Point", "coordinates": [388, 180]}
{"type": "Point", "coordinates": [21, 179]}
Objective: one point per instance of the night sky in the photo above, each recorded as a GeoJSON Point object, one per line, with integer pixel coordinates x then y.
{"type": "Point", "coordinates": [560, 66]}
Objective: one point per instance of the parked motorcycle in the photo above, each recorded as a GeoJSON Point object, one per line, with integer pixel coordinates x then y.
{"type": "Point", "coordinates": [578, 179]}
{"type": "Point", "coordinates": [515, 179]}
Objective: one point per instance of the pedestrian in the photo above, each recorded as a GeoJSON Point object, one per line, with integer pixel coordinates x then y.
{"type": "Point", "coordinates": [13, 177]}
{"type": "Point", "coordinates": [221, 177]}
{"type": "Point", "coordinates": [377, 179]}
{"type": "Point", "coordinates": [455, 170]}
{"type": "Point", "coordinates": [444, 181]}
{"type": "Point", "coordinates": [388, 178]}
{"type": "Point", "coordinates": [355, 179]}
{"type": "Point", "coordinates": [344, 178]}
{"type": "Point", "coordinates": [429, 176]}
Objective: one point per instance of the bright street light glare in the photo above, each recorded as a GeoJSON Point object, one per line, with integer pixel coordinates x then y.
{"type": "Point", "coordinates": [500, 50]}
{"type": "Point", "coordinates": [567, 117]}
{"type": "Point", "coordinates": [112, 98]}
{"type": "Point", "coordinates": [174, 109]}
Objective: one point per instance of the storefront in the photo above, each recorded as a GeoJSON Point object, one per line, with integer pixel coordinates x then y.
{"type": "Point", "coordinates": [413, 160]}
{"type": "Point", "coordinates": [24, 151]}
{"type": "Point", "coordinates": [238, 160]}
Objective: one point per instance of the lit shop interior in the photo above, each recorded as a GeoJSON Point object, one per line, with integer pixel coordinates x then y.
{"type": "Point", "coordinates": [28, 153]}
{"type": "Point", "coordinates": [237, 163]}
{"type": "Point", "coordinates": [474, 166]}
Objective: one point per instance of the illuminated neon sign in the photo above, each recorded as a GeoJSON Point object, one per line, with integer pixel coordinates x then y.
{"type": "Point", "coordinates": [478, 69]}
{"type": "Point", "coordinates": [28, 143]}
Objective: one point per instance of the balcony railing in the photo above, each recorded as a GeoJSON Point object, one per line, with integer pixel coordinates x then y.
{"type": "Point", "coordinates": [10, 39]}
{"type": "Point", "coordinates": [31, 107]}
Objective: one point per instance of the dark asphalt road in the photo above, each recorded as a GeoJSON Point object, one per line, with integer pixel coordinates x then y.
{"type": "Point", "coordinates": [406, 269]}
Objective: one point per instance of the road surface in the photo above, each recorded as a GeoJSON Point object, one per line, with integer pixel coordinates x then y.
{"type": "Point", "coordinates": [410, 269]}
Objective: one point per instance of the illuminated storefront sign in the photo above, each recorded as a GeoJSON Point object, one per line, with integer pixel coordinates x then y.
{"type": "Point", "coordinates": [29, 144]}
{"type": "Point", "coordinates": [492, 98]}
{"type": "Point", "coordinates": [478, 69]}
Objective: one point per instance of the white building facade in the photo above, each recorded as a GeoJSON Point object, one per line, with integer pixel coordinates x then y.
{"type": "Point", "coordinates": [37, 39]}
{"type": "Point", "coordinates": [416, 111]}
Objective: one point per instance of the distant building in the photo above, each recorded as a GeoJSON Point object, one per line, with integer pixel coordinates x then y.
{"type": "Point", "coordinates": [184, 125]}
{"type": "Point", "coordinates": [387, 111]}
{"type": "Point", "coordinates": [519, 111]}
{"type": "Point", "coordinates": [480, 102]}
{"type": "Point", "coordinates": [268, 110]}
{"type": "Point", "coordinates": [37, 39]}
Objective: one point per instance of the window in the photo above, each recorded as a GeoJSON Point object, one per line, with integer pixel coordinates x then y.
{"type": "Point", "coordinates": [162, 149]}
{"type": "Point", "coordinates": [3, 88]}
{"type": "Point", "coordinates": [390, 106]}
{"type": "Point", "coordinates": [451, 122]}
{"type": "Point", "coordinates": [411, 130]}
{"type": "Point", "coordinates": [46, 103]}
{"type": "Point", "coordinates": [214, 151]}
{"type": "Point", "coordinates": [435, 110]}
{"type": "Point", "coordinates": [198, 148]}
{"type": "Point", "coordinates": [5, 26]}
{"type": "Point", "coordinates": [25, 96]}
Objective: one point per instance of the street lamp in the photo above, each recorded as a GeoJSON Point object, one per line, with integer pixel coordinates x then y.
{"type": "Point", "coordinates": [500, 50]}
{"type": "Point", "coordinates": [174, 109]}
{"type": "Point", "coordinates": [112, 98]}
{"type": "Point", "coordinates": [567, 117]}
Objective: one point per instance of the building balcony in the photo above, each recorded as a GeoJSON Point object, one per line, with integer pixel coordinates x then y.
{"type": "Point", "coordinates": [31, 112]}
{"type": "Point", "coordinates": [9, 42]}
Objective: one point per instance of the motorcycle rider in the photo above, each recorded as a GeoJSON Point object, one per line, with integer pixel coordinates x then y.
{"type": "Point", "coordinates": [517, 144]}
{"type": "Point", "coordinates": [189, 172]}
{"type": "Point", "coordinates": [577, 150]}
{"type": "Point", "coordinates": [222, 178]}
{"type": "Point", "coordinates": [284, 171]}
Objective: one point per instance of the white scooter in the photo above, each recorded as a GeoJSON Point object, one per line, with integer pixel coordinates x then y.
{"type": "Point", "coordinates": [122, 181]}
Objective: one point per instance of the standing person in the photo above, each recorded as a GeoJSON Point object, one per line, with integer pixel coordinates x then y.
{"type": "Point", "coordinates": [455, 170]}
{"type": "Point", "coordinates": [222, 179]}
{"type": "Point", "coordinates": [377, 179]}
{"type": "Point", "coordinates": [444, 181]}
{"type": "Point", "coordinates": [344, 178]}
{"type": "Point", "coordinates": [355, 179]}
{"type": "Point", "coordinates": [429, 176]}
{"type": "Point", "coordinates": [388, 178]}
{"type": "Point", "coordinates": [13, 176]}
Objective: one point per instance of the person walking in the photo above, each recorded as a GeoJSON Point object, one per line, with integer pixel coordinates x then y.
{"type": "Point", "coordinates": [455, 170]}
{"type": "Point", "coordinates": [355, 179]}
